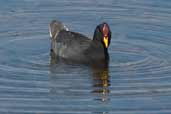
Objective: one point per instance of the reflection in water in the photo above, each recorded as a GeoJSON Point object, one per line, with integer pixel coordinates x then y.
{"type": "Point", "coordinates": [70, 83]}
{"type": "Point", "coordinates": [101, 82]}
{"type": "Point", "coordinates": [100, 77]}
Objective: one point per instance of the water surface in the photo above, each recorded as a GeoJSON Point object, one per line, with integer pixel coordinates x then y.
{"type": "Point", "coordinates": [137, 81]}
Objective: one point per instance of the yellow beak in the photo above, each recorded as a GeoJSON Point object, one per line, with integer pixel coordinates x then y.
{"type": "Point", "coordinates": [105, 40]}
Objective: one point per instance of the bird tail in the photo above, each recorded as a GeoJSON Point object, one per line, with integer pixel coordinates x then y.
{"type": "Point", "coordinates": [55, 27]}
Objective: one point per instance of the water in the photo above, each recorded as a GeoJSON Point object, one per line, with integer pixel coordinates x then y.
{"type": "Point", "coordinates": [138, 80]}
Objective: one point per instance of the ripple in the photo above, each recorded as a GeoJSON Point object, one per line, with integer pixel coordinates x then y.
{"type": "Point", "coordinates": [137, 80]}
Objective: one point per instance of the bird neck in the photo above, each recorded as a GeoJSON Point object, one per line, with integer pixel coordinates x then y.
{"type": "Point", "coordinates": [100, 46]}
{"type": "Point", "coordinates": [106, 53]}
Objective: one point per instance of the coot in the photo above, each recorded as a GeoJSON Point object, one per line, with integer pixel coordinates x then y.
{"type": "Point", "coordinates": [75, 47]}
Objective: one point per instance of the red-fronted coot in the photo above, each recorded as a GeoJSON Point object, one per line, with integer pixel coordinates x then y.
{"type": "Point", "coordinates": [73, 46]}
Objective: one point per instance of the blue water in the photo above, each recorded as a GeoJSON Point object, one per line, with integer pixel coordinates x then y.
{"type": "Point", "coordinates": [138, 80]}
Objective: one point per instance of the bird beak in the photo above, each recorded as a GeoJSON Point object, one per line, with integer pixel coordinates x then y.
{"type": "Point", "coordinates": [105, 40]}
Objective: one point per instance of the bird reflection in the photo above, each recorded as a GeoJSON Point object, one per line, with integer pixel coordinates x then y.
{"type": "Point", "coordinates": [100, 78]}
{"type": "Point", "coordinates": [101, 81]}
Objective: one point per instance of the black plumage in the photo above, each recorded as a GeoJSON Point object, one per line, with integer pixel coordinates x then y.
{"type": "Point", "coordinates": [75, 47]}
